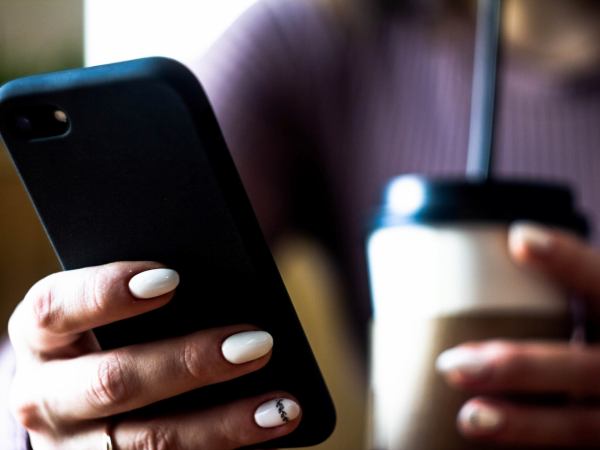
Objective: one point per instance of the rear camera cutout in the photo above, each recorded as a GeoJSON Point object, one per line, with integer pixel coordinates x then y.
{"type": "Point", "coordinates": [39, 122]}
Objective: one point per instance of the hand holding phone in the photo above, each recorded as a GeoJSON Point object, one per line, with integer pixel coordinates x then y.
{"type": "Point", "coordinates": [126, 162]}
{"type": "Point", "coordinates": [70, 393]}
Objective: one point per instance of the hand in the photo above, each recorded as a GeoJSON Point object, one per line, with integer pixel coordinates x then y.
{"type": "Point", "coordinates": [66, 388]}
{"type": "Point", "coordinates": [495, 368]}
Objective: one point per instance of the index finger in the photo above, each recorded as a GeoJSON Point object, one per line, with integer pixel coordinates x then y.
{"type": "Point", "coordinates": [60, 307]}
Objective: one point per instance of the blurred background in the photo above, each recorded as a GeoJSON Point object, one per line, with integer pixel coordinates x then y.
{"type": "Point", "coordinates": [35, 36]}
{"type": "Point", "coordinates": [41, 36]}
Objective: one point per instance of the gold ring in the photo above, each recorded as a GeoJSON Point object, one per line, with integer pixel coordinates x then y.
{"type": "Point", "coordinates": [107, 440]}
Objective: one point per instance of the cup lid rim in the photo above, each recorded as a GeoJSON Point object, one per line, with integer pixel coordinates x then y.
{"type": "Point", "coordinates": [419, 199]}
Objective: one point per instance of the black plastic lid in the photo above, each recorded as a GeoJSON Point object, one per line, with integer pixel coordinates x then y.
{"type": "Point", "coordinates": [415, 199]}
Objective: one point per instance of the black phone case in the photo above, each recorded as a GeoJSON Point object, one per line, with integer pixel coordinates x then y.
{"type": "Point", "coordinates": [144, 174]}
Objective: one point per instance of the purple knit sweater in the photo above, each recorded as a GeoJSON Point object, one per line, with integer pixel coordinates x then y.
{"type": "Point", "coordinates": [319, 115]}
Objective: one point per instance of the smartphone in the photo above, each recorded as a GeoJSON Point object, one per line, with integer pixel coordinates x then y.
{"type": "Point", "coordinates": [127, 162]}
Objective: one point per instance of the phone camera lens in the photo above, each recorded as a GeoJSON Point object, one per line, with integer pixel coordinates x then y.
{"type": "Point", "coordinates": [39, 121]}
{"type": "Point", "coordinates": [23, 124]}
{"type": "Point", "coordinates": [60, 116]}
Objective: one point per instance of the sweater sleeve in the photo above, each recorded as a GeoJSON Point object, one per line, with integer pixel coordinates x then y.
{"type": "Point", "coordinates": [12, 435]}
{"type": "Point", "coordinates": [259, 78]}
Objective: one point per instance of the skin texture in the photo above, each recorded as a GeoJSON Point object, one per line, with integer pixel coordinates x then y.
{"type": "Point", "coordinates": [66, 388]}
{"type": "Point", "coordinates": [569, 369]}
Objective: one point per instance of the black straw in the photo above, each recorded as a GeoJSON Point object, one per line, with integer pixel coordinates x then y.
{"type": "Point", "coordinates": [481, 132]}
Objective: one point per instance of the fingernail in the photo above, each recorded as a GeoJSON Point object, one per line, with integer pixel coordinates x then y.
{"type": "Point", "coordinates": [246, 346]}
{"type": "Point", "coordinates": [530, 236]}
{"type": "Point", "coordinates": [480, 418]}
{"type": "Point", "coordinates": [153, 283]}
{"type": "Point", "coordinates": [276, 412]}
{"type": "Point", "coordinates": [468, 363]}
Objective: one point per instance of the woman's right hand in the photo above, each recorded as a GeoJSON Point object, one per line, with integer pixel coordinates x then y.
{"type": "Point", "coordinates": [66, 388]}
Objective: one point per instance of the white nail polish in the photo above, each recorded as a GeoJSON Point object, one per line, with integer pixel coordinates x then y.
{"type": "Point", "coordinates": [276, 412]}
{"type": "Point", "coordinates": [526, 234]}
{"type": "Point", "coordinates": [469, 363]}
{"type": "Point", "coordinates": [246, 346]}
{"type": "Point", "coordinates": [153, 283]}
{"type": "Point", "coordinates": [480, 418]}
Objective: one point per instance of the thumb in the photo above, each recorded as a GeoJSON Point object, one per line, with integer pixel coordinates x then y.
{"type": "Point", "coordinates": [560, 254]}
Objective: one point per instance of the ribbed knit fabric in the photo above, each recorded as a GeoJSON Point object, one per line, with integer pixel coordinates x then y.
{"type": "Point", "coordinates": [319, 115]}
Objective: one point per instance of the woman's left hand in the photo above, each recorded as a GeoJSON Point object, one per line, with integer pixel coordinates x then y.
{"type": "Point", "coordinates": [492, 369]}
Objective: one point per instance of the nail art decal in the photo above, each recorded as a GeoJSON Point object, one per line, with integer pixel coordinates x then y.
{"type": "Point", "coordinates": [276, 412]}
{"type": "Point", "coordinates": [480, 418]}
{"type": "Point", "coordinates": [281, 409]}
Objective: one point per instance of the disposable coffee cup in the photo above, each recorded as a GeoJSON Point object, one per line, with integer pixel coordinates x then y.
{"type": "Point", "coordinates": [441, 275]}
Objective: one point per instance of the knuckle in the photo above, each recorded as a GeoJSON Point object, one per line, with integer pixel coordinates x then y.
{"type": "Point", "coordinates": [97, 289]}
{"type": "Point", "coordinates": [25, 410]}
{"type": "Point", "coordinates": [27, 414]}
{"type": "Point", "coordinates": [232, 438]}
{"type": "Point", "coordinates": [110, 385]}
{"type": "Point", "coordinates": [155, 438]}
{"type": "Point", "coordinates": [193, 361]}
{"type": "Point", "coordinates": [44, 305]}
{"type": "Point", "coordinates": [230, 435]}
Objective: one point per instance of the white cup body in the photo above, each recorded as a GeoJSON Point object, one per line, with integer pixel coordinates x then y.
{"type": "Point", "coordinates": [428, 277]}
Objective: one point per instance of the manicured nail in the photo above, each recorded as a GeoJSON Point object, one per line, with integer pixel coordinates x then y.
{"type": "Point", "coordinates": [246, 346]}
{"type": "Point", "coordinates": [154, 282]}
{"type": "Point", "coordinates": [468, 363]}
{"type": "Point", "coordinates": [276, 412]}
{"type": "Point", "coordinates": [479, 418]}
{"type": "Point", "coordinates": [530, 236]}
